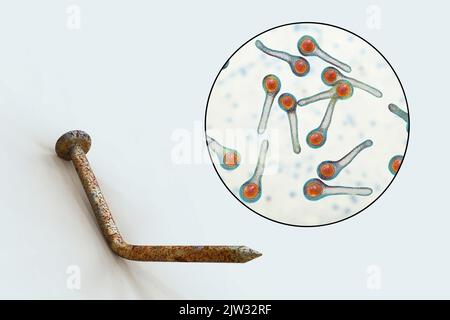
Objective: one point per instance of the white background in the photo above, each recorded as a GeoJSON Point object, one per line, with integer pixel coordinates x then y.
{"type": "Point", "coordinates": [137, 72]}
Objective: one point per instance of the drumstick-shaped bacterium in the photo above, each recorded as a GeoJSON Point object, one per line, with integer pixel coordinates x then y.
{"type": "Point", "coordinates": [299, 65]}
{"type": "Point", "coordinates": [328, 169]}
{"type": "Point", "coordinates": [331, 75]}
{"type": "Point", "coordinates": [271, 85]}
{"type": "Point", "coordinates": [288, 103]}
{"type": "Point", "coordinates": [341, 90]}
{"type": "Point", "coordinates": [251, 190]}
{"type": "Point", "coordinates": [314, 189]}
{"type": "Point", "coordinates": [318, 136]}
{"type": "Point", "coordinates": [229, 159]}
{"type": "Point", "coordinates": [308, 46]}
{"type": "Point", "coordinates": [395, 163]}
{"type": "Point", "coordinates": [399, 113]}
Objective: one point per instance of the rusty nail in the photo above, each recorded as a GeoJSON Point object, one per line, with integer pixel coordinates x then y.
{"type": "Point", "coordinates": [74, 145]}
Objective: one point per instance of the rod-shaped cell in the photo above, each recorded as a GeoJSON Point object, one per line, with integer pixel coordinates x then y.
{"type": "Point", "coordinates": [318, 136]}
{"type": "Point", "coordinates": [315, 189]}
{"type": "Point", "coordinates": [395, 163]}
{"type": "Point", "coordinates": [328, 170]}
{"type": "Point", "coordinates": [288, 103]}
{"type": "Point", "coordinates": [299, 65]}
{"type": "Point", "coordinates": [251, 190]}
{"type": "Point", "coordinates": [73, 146]}
{"type": "Point", "coordinates": [308, 46]}
{"type": "Point", "coordinates": [331, 75]}
{"type": "Point", "coordinates": [399, 113]}
{"type": "Point", "coordinates": [226, 65]}
{"type": "Point", "coordinates": [229, 159]}
{"type": "Point", "coordinates": [271, 85]}
{"type": "Point", "coordinates": [341, 90]}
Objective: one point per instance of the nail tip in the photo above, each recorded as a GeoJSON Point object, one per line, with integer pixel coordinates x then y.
{"type": "Point", "coordinates": [247, 254]}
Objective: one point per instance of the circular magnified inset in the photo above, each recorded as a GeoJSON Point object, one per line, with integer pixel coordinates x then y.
{"type": "Point", "coordinates": [307, 124]}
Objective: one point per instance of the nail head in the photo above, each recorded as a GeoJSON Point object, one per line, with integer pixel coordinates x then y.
{"type": "Point", "coordinates": [70, 139]}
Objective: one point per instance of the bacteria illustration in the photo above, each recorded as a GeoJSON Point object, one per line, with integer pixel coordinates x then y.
{"type": "Point", "coordinates": [354, 145]}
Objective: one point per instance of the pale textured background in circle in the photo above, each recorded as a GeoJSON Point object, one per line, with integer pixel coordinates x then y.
{"type": "Point", "coordinates": [236, 103]}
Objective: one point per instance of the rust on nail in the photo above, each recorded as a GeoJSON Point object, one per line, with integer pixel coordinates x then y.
{"type": "Point", "coordinates": [74, 145]}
